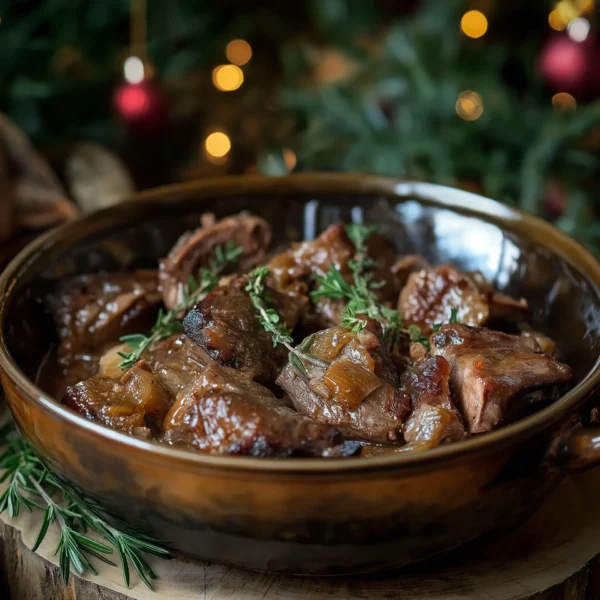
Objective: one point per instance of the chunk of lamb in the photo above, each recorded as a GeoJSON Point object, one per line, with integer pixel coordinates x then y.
{"type": "Point", "coordinates": [223, 412]}
{"type": "Point", "coordinates": [136, 404]}
{"type": "Point", "coordinates": [293, 271]}
{"type": "Point", "coordinates": [430, 295]}
{"type": "Point", "coordinates": [498, 377]}
{"type": "Point", "coordinates": [91, 311]}
{"type": "Point", "coordinates": [174, 362]}
{"type": "Point", "coordinates": [434, 420]}
{"type": "Point", "coordinates": [196, 249]}
{"type": "Point", "coordinates": [225, 324]}
{"type": "Point", "coordinates": [356, 387]}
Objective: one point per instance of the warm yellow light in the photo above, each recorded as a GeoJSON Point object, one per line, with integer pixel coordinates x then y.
{"type": "Point", "coordinates": [567, 11]}
{"type": "Point", "coordinates": [238, 52]}
{"type": "Point", "coordinates": [289, 157]}
{"type": "Point", "coordinates": [556, 21]}
{"type": "Point", "coordinates": [227, 77]}
{"type": "Point", "coordinates": [564, 101]}
{"type": "Point", "coordinates": [217, 144]}
{"type": "Point", "coordinates": [584, 6]}
{"type": "Point", "coordinates": [474, 24]}
{"type": "Point", "coordinates": [469, 105]}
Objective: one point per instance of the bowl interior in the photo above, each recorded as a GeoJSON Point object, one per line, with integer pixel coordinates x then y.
{"type": "Point", "coordinates": [565, 302]}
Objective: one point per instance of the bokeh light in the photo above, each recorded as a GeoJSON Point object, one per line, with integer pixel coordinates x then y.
{"type": "Point", "coordinates": [563, 101]}
{"type": "Point", "coordinates": [238, 52]}
{"type": "Point", "coordinates": [133, 69]}
{"type": "Point", "coordinates": [469, 105]}
{"type": "Point", "coordinates": [556, 21]}
{"type": "Point", "coordinates": [289, 157]}
{"type": "Point", "coordinates": [227, 78]}
{"type": "Point", "coordinates": [474, 24]}
{"type": "Point", "coordinates": [217, 144]}
{"type": "Point", "coordinates": [578, 29]}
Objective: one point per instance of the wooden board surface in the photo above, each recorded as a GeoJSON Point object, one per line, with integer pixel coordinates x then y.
{"type": "Point", "coordinates": [555, 555]}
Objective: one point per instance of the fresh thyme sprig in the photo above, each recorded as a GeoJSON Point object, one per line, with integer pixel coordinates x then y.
{"type": "Point", "coordinates": [416, 335]}
{"type": "Point", "coordinates": [169, 323]}
{"type": "Point", "coordinates": [32, 485]}
{"type": "Point", "coordinates": [271, 322]}
{"type": "Point", "coordinates": [360, 295]}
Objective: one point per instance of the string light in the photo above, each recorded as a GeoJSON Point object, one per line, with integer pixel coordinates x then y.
{"type": "Point", "coordinates": [217, 144]}
{"type": "Point", "coordinates": [567, 11]}
{"type": "Point", "coordinates": [227, 78]}
{"type": "Point", "coordinates": [578, 29]}
{"type": "Point", "coordinates": [474, 24]}
{"type": "Point", "coordinates": [238, 52]}
{"type": "Point", "coordinates": [469, 105]}
{"type": "Point", "coordinates": [564, 101]}
{"type": "Point", "coordinates": [133, 69]}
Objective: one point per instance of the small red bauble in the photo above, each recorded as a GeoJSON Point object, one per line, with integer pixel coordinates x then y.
{"type": "Point", "coordinates": [566, 65]}
{"type": "Point", "coordinates": [142, 106]}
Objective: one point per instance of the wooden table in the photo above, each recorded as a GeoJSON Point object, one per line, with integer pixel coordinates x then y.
{"type": "Point", "coordinates": [554, 556]}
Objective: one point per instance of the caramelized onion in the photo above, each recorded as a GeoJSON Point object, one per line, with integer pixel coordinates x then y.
{"type": "Point", "coordinates": [329, 343]}
{"type": "Point", "coordinates": [350, 383]}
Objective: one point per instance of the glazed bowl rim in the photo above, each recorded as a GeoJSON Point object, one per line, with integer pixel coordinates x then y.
{"type": "Point", "coordinates": [456, 200]}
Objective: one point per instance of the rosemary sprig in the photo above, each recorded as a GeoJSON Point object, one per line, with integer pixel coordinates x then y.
{"type": "Point", "coordinates": [168, 323]}
{"type": "Point", "coordinates": [271, 322]}
{"type": "Point", "coordinates": [360, 295]}
{"type": "Point", "coordinates": [29, 478]}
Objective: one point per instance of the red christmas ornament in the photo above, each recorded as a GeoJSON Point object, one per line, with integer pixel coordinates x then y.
{"type": "Point", "coordinates": [142, 106]}
{"type": "Point", "coordinates": [567, 65]}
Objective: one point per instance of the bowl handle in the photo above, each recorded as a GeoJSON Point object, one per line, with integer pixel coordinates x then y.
{"type": "Point", "coordinates": [581, 449]}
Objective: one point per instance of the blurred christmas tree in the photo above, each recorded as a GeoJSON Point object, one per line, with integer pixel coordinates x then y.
{"type": "Point", "coordinates": [495, 96]}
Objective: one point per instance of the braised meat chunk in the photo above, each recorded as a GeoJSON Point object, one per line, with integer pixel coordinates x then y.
{"type": "Point", "coordinates": [498, 377]}
{"type": "Point", "coordinates": [136, 402]}
{"type": "Point", "coordinates": [196, 249]}
{"type": "Point", "coordinates": [225, 324]}
{"type": "Point", "coordinates": [352, 384]}
{"type": "Point", "coordinates": [434, 419]}
{"type": "Point", "coordinates": [90, 310]}
{"type": "Point", "coordinates": [431, 294]}
{"type": "Point", "coordinates": [222, 412]}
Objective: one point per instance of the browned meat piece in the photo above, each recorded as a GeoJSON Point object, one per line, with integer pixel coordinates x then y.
{"type": "Point", "coordinates": [137, 401]}
{"type": "Point", "coordinates": [498, 377]}
{"type": "Point", "coordinates": [355, 390]}
{"type": "Point", "coordinates": [222, 412]}
{"type": "Point", "coordinates": [404, 267]}
{"type": "Point", "coordinates": [225, 324]}
{"type": "Point", "coordinates": [196, 249]}
{"type": "Point", "coordinates": [430, 295]}
{"type": "Point", "coordinates": [302, 261]}
{"type": "Point", "coordinates": [547, 345]}
{"type": "Point", "coordinates": [91, 310]}
{"type": "Point", "coordinates": [435, 419]}
{"type": "Point", "coordinates": [502, 307]}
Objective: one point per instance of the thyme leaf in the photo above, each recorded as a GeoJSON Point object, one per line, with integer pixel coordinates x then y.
{"type": "Point", "coordinates": [360, 296]}
{"type": "Point", "coordinates": [273, 324]}
{"type": "Point", "coordinates": [169, 323]}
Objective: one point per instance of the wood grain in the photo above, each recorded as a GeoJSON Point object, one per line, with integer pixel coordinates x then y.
{"type": "Point", "coordinates": [554, 556]}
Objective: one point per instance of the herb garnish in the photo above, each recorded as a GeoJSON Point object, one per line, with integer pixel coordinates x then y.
{"type": "Point", "coordinates": [271, 322]}
{"type": "Point", "coordinates": [416, 335]}
{"type": "Point", "coordinates": [360, 296]}
{"type": "Point", "coordinates": [169, 323]}
{"type": "Point", "coordinates": [32, 485]}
